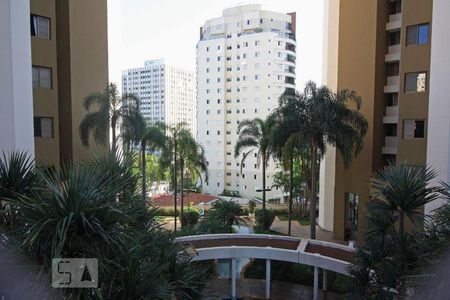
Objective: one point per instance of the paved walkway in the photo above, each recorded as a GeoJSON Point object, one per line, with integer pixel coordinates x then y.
{"type": "Point", "coordinates": [301, 231]}
{"type": "Point", "coordinates": [255, 289]}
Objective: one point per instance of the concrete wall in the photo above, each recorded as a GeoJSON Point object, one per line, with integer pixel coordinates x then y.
{"type": "Point", "coordinates": [16, 99]}
{"type": "Point", "coordinates": [438, 148]}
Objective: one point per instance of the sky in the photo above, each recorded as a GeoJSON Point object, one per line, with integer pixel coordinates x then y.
{"type": "Point", "coordinates": [141, 30]}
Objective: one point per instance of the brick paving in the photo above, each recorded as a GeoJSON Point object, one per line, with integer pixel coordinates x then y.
{"type": "Point", "coordinates": [301, 231]}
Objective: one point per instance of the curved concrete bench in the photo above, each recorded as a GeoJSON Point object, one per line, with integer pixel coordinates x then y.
{"type": "Point", "coordinates": [318, 254]}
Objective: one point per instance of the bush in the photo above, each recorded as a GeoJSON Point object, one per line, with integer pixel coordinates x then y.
{"type": "Point", "coordinates": [228, 193]}
{"type": "Point", "coordinates": [269, 217]}
{"type": "Point", "coordinates": [166, 212]}
{"type": "Point", "coordinates": [341, 284]}
{"type": "Point", "coordinates": [190, 217]}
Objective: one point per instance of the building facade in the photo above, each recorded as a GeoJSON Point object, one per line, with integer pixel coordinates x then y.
{"type": "Point", "coordinates": [167, 93]}
{"type": "Point", "coordinates": [438, 147]}
{"type": "Point", "coordinates": [69, 48]}
{"type": "Point", "coordinates": [16, 98]}
{"type": "Point", "coordinates": [381, 49]}
{"type": "Point", "coordinates": [56, 54]}
{"type": "Point", "coordinates": [245, 61]}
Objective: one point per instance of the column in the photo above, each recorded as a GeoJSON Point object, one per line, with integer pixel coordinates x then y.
{"type": "Point", "coordinates": [325, 281]}
{"type": "Point", "coordinates": [233, 278]}
{"type": "Point", "coordinates": [268, 266]}
{"type": "Point", "coordinates": [16, 104]}
{"type": "Point", "coordinates": [316, 284]}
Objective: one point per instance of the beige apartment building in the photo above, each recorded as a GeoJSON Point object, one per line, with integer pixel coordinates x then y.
{"type": "Point", "coordinates": [381, 49]}
{"type": "Point", "coordinates": [69, 48]}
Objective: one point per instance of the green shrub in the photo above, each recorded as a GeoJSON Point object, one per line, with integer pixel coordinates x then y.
{"type": "Point", "coordinates": [190, 217]}
{"type": "Point", "coordinates": [167, 212]}
{"type": "Point", "coordinates": [269, 217]}
{"type": "Point", "coordinates": [341, 284]}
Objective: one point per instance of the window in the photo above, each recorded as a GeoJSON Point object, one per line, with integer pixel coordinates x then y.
{"type": "Point", "coordinates": [207, 80]}
{"type": "Point", "coordinates": [43, 127]}
{"type": "Point", "coordinates": [219, 111]}
{"type": "Point", "coordinates": [207, 70]}
{"type": "Point", "coordinates": [413, 129]}
{"type": "Point", "coordinates": [351, 214]}
{"type": "Point", "coordinates": [208, 112]}
{"type": "Point", "coordinates": [42, 77]}
{"type": "Point", "coordinates": [256, 54]}
{"type": "Point", "coordinates": [417, 35]}
{"type": "Point", "coordinates": [40, 27]}
{"type": "Point", "coordinates": [207, 132]}
{"type": "Point", "coordinates": [207, 49]}
{"type": "Point", "coordinates": [257, 77]}
{"type": "Point", "coordinates": [248, 22]}
{"type": "Point", "coordinates": [257, 43]}
{"type": "Point", "coordinates": [254, 176]}
{"type": "Point", "coordinates": [415, 82]}
{"type": "Point", "coordinates": [218, 132]}
{"type": "Point", "coordinates": [245, 44]}
{"type": "Point", "coordinates": [218, 58]}
{"type": "Point", "coordinates": [218, 47]}
{"type": "Point", "coordinates": [207, 59]}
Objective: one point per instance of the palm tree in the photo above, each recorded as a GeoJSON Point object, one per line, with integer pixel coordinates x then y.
{"type": "Point", "coordinates": [319, 117]}
{"type": "Point", "coordinates": [153, 138]}
{"type": "Point", "coordinates": [256, 135]}
{"type": "Point", "coordinates": [186, 154]}
{"type": "Point", "coordinates": [227, 212]}
{"type": "Point", "coordinates": [17, 177]}
{"type": "Point", "coordinates": [401, 191]}
{"type": "Point", "coordinates": [111, 110]}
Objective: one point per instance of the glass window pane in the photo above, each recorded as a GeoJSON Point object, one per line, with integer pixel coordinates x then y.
{"type": "Point", "coordinates": [45, 78]}
{"type": "Point", "coordinates": [35, 77]}
{"type": "Point", "coordinates": [423, 34]}
{"type": "Point", "coordinates": [421, 82]}
{"type": "Point", "coordinates": [47, 127]}
{"type": "Point", "coordinates": [33, 21]}
{"type": "Point", "coordinates": [419, 131]}
{"type": "Point", "coordinates": [408, 129]}
{"type": "Point", "coordinates": [43, 27]}
{"type": "Point", "coordinates": [410, 82]}
{"type": "Point", "coordinates": [411, 35]}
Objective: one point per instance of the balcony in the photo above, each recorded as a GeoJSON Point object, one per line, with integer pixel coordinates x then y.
{"type": "Point", "coordinates": [391, 116]}
{"type": "Point", "coordinates": [390, 145]}
{"type": "Point", "coordinates": [393, 53]}
{"type": "Point", "coordinates": [392, 84]}
{"type": "Point", "coordinates": [394, 22]}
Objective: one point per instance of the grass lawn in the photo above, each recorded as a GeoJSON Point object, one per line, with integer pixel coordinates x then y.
{"type": "Point", "coordinates": [303, 222]}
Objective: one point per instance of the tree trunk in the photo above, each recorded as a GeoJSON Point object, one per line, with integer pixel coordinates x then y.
{"type": "Point", "coordinates": [144, 172]}
{"type": "Point", "coordinates": [264, 189]}
{"type": "Point", "coordinates": [291, 190]}
{"type": "Point", "coordinates": [182, 191]}
{"type": "Point", "coordinates": [175, 183]}
{"type": "Point", "coordinates": [313, 190]}
{"type": "Point", "coordinates": [113, 127]}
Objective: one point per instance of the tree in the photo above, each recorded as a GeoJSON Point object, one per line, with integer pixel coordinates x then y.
{"type": "Point", "coordinates": [400, 191]}
{"type": "Point", "coordinates": [110, 110]}
{"type": "Point", "coordinates": [256, 135]}
{"type": "Point", "coordinates": [227, 212]}
{"type": "Point", "coordinates": [94, 210]}
{"type": "Point", "coordinates": [17, 177]}
{"type": "Point", "coordinates": [318, 117]}
{"type": "Point", "coordinates": [153, 138]}
{"type": "Point", "coordinates": [185, 154]}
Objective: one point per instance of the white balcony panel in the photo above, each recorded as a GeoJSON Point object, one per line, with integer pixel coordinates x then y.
{"type": "Point", "coordinates": [395, 22]}
{"type": "Point", "coordinates": [392, 84]}
{"type": "Point", "coordinates": [390, 145]}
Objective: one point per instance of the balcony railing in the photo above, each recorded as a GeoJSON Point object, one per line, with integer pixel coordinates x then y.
{"type": "Point", "coordinates": [393, 53]}
{"type": "Point", "coordinates": [391, 116]}
{"type": "Point", "coordinates": [394, 22]}
{"type": "Point", "coordinates": [390, 145]}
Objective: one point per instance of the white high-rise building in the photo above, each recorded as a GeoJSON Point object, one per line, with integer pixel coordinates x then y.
{"type": "Point", "coordinates": [167, 93]}
{"type": "Point", "coordinates": [245, 61]}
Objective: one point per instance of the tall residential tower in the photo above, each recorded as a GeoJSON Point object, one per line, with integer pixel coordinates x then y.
{"type": "Point", "coordinates": [245, 61]}
{"type": "Point", "coordinates": [381, 49]}
{"type": "Point", "coordinates": [167, 93]}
